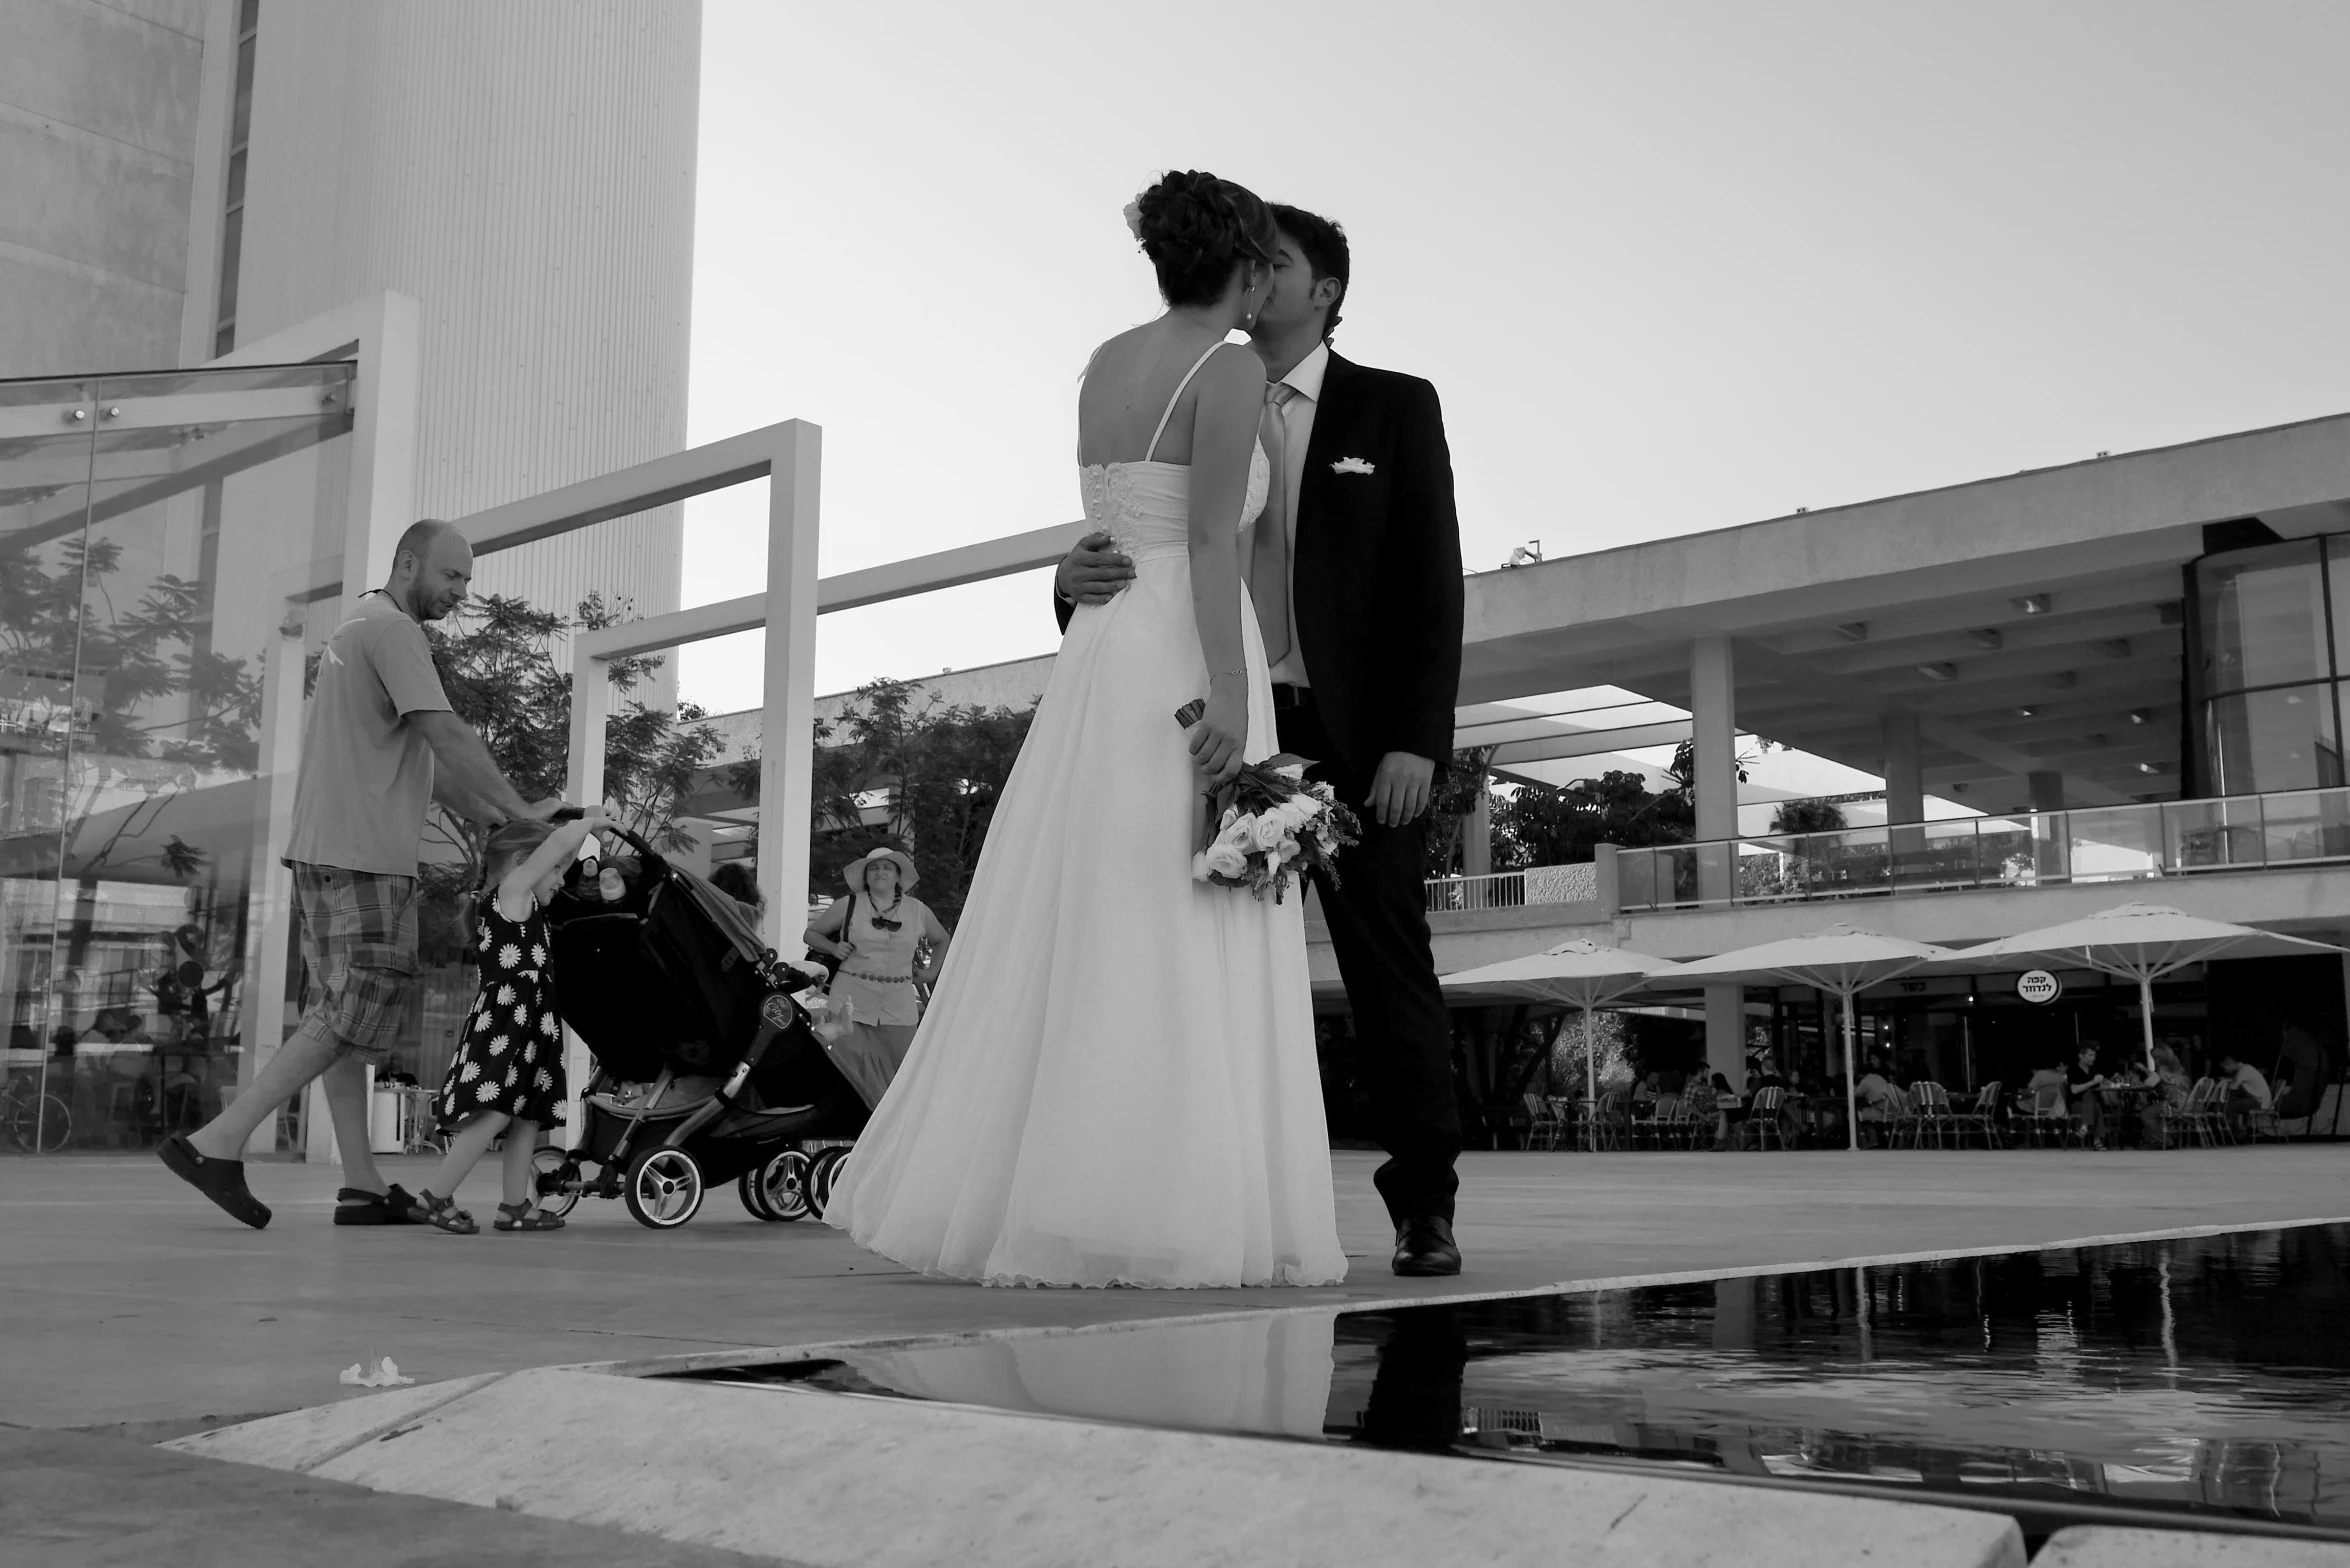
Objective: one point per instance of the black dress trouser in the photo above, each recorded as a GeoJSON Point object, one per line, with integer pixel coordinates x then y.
{"type": "Point", "coordinates": [1378, 919]}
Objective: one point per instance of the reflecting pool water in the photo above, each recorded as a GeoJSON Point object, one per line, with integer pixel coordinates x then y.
{"type": "Point", "coordinates": [2209, 1375]}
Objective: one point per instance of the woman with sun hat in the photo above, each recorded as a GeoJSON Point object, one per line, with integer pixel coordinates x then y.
{"type": "Point", "coordinates": [876, 933]}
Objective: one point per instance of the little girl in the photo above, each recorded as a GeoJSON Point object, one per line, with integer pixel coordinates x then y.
{"type": "Point", "coordinates": [507, 1075]}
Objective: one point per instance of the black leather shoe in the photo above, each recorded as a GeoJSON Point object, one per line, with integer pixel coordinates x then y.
{"type": "Point", "coordinates": [1424, 1246]}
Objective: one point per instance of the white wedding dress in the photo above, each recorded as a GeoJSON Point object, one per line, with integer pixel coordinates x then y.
{"type": "Point", "coordinates": [1115, 1083]}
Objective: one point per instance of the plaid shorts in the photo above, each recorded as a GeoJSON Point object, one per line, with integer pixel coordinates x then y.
{"type": "Point", "coordinates": [359, 946]}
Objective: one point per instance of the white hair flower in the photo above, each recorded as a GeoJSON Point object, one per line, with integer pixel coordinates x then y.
{"type": "Point", "coordinates": [1134, 218]}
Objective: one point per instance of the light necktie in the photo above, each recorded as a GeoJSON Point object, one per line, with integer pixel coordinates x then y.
{"type": "Point", "coordinates": [1268, 578]}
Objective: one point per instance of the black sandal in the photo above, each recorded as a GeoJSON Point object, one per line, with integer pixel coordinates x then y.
{"type": "Point", "coordinates": [444, 1214]}
{"type": "Point", "coordinates": [223, 1181]}
{"type": "Point", "coordinates": [358, 1206]}
{"type": "Point", "coordinates": [522, 1216]}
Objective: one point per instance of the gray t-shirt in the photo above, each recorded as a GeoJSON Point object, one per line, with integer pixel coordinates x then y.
{"type": "Point", "coordinates": [366, 772]}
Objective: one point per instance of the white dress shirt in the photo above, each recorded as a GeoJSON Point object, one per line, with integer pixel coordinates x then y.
{"type": "Point", "coordinates": [1297, 432]}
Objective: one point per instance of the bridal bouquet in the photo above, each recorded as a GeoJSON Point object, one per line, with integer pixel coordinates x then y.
{"type": "Point", "coordinates": [1267, 826]}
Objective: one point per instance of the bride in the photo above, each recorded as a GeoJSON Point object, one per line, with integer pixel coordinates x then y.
{"type": "Point", "coordinates": [1115, 1083]}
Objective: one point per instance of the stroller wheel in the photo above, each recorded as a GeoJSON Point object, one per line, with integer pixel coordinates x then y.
{"type": "Point", "coordinates": [781, 1186]}
{"type": "Point", "coordinates": [664, 1188]}
{"type": "Point", "coordinates": [746, 1187]}
{"type": "Point", "coordinates": [549, 1169]}
{"type": "Point", "coordinates": [821, 1171]}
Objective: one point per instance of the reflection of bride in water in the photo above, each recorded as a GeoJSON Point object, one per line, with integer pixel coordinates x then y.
{"type": "Point", "coordinates": [1395, 1382]}
{"type": "Point", "coordinates": [1266, 1374]}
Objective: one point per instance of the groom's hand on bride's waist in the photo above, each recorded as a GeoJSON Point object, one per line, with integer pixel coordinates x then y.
{"type": "Point", "coordinates": [1400, 789]}
{"type": "Point", "coordinates": [1093, 573]}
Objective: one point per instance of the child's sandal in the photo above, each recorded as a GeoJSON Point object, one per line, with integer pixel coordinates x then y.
{"type": "Point", "coordinates": [521, 1216]}
{"type": "Point", "coordinates": [444, 1213]}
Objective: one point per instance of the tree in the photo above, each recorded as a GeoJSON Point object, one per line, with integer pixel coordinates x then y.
{"type": "Point", "coordinates": [498, 669]}
{"type": "Point", "coordinates": [1452, 804]}
{"type": "Point", "coordinates": [149, 707]}
{"type": "Point", "coordinates": [924, 775]}
{"type": "Point", "coordinates": [1545, 826]}
{"type": "Point", "coordinates": [1807, 816]}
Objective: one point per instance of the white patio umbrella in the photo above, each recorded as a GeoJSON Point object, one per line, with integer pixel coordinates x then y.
{"type": "Point", "coordinates": [2141, 942]}
{"type": "Point", "coordinates": [1578, 973]}
{"type": "Point", "coordinates": [1843, 959]}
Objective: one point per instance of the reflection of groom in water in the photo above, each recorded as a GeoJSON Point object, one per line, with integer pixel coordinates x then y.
{"type": "Point", "coordinates": [1355, 570]}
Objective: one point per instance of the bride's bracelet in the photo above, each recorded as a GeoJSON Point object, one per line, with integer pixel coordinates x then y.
{"type": "Point", "coordinates": [1213, 674]}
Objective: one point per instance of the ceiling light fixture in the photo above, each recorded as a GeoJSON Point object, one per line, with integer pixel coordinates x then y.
{"type": "Point", "coordinates": [2115, 647]}
{"type": "Point", "coordinates": [2033, 604]}
{"type": "Point", "coordinates": [2064, 680]}
{"type": "Point", "coordinates": [2027, 711]}
{"type": "Point", "coordinates": [2149, 767]}
{"type": "Point", "coordinates": [1944, 671]}
{"type": "Point", "coordinates": [1986, 637]}
{"type": "Point", "coordinates": [1854, 631]}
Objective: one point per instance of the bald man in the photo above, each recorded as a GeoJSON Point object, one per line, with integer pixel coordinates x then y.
{"type": "Point", "coordinates": [378, 743]}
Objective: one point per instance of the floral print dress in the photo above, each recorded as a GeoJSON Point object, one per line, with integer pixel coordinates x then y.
{"type": "Point", "coordinates": [511, 1058]}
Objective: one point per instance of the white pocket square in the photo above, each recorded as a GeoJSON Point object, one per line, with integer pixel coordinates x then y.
{"type": "Point", "coordinates": [1352, 465]}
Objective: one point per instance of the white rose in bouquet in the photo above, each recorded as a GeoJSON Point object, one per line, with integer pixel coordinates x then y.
{"type": "Point", "coordinates": [1269, 831]}
{"type": "Point", "coordinates": [1226, 860]}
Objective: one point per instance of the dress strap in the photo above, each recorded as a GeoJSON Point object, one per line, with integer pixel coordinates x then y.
{"type": "Point", "coordinates": [1152, 454]}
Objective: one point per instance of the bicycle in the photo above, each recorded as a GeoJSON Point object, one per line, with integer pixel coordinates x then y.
{"type": "Point", "coordinates": [35, 1120]}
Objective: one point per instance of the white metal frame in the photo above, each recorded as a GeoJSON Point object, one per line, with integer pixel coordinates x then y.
{"type": "Point", "coordinates": [384, 335]}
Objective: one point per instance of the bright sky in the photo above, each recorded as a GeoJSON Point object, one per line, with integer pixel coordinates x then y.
{"type": "Point", "coordinates": [1671, 266]}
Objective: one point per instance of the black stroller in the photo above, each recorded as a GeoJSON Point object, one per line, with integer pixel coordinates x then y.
{"type": "Point", "coordinates": [707, 1068]}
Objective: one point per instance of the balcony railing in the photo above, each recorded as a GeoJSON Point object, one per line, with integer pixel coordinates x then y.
{"type": "Point", "coordinates": [1515, 889]}
{"type": "Point", "coordinates": [2039, 849]}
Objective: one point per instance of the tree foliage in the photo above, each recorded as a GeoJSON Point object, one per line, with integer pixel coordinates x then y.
{"type": "Point", "coordinates": [912, 771]}
{"type": "Point", "coordinates": [1807, 816]}
{"type": "Point", "coordinates": [149, 705]}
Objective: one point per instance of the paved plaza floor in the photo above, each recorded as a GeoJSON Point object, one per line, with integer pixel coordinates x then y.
{"type": "Point", "coordinates": [131, 1304]}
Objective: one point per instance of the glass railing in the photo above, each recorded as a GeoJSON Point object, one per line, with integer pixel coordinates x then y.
{"type": "Point", "coordinates": [2043, 848]}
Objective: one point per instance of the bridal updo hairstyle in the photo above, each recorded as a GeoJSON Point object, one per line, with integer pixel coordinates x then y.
{"type": "Point", "coordinates": [1196, 228]}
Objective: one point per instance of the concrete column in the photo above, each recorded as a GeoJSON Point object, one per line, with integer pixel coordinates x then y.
{"type": "Point", "coordinates": [1905, 783]}
{"type": "Point", "coordinates": [1725, 1033]}
{"type": "Point", "coordinates": [1713, 728]}
{"type": "Point", "coordinates": [1477, 835]}
{"type": "Point", "coordinates": [2047, 790]}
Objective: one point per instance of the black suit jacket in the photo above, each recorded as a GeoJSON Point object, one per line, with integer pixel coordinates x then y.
{"type": "Point", "coordinates": [1378, 569]}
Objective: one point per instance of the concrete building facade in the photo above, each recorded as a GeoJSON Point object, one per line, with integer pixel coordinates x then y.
{"type": "Point", "coordinates": [206, 173]}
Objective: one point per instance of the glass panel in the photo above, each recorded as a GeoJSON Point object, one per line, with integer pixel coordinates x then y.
{"type": "Point", "coordinates": [1937, 855]}
{"type": "Point", "coordinates": [232, 245]}
{"type": "Point", "coordinates": [241, 116]}
{"type": "Point", "coordinates": [2272, 740]}
{"type": "Point", "coordinates": [2116, 843]}
{"type": "Point", "coordinates": [2210, 835]}
{"type": "Point", "coordinates": [1676, 875]}
{"type": "Point", "coordinates": [1768, 870]}
{"type": "Point", "coordinates": [2263, 617]}
{"type": "Point", "coordinates": [2005, 852]}
{"type": "Point", "coordinates": [216, 497]}
{"type": "Point", "coordinates": [1636, 879]}
{"type": "Point", "coordinates": [1853, 860]}
{"type": "Point", "coordinates": [44, 496]}
{"type": "Point", "coordinates": [2313, 825]}
{"type": "Point", "coordinates": [236, 179]}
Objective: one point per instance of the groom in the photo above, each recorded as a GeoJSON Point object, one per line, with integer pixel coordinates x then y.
{"type": "Point", "coordinates": [1356, 576]}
